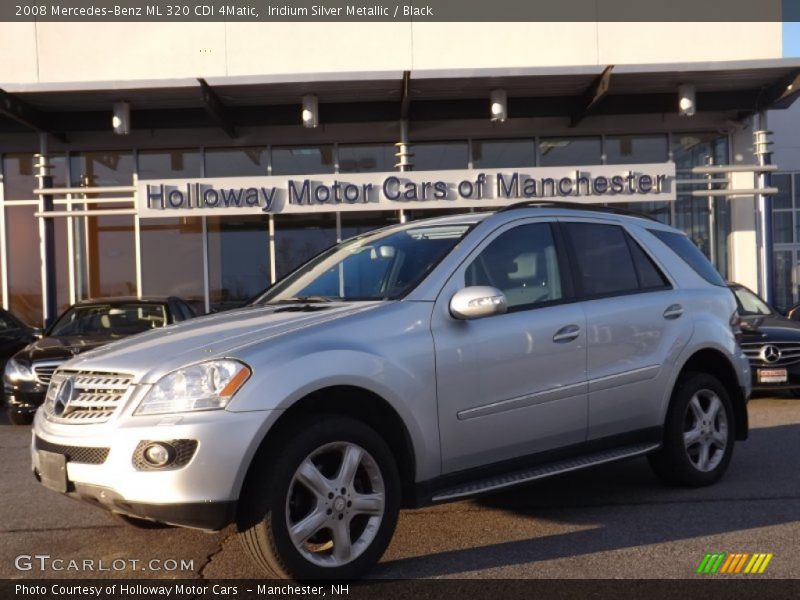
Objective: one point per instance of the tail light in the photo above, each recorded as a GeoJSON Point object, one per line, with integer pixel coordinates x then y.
{"type": "Point", "coordinates": [736, 326]}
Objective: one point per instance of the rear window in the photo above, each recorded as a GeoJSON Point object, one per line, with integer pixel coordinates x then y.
{"type": "Point", "coordinates": [691, 255]}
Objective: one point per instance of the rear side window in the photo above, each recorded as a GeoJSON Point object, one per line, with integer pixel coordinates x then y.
{"type": "Point", "coordinates": [650, 276]}
{"type": "Point", "coordinates": [604, 264]}
{"type": "Point", "coordinates": [691, 255]}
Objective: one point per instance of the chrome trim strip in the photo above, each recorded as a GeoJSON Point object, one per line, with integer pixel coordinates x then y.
{"type": "Point", "coordinates": [625, 378]}
{"type": "Point", "coordinates": [558, 393]}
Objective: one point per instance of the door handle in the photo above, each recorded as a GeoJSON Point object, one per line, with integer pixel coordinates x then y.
{"type": "Point", "coordinates": [566, 334]}
{"type": "Point", "coordinates": [673, 311]}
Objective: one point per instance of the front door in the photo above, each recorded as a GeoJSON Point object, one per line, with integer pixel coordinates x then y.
{"type": "Point", "coordinates": [514, 384]}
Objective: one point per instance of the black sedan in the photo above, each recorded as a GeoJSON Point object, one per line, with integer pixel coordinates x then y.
{"type": "Point", "coordinates": [83, 326]}
{"type": "Point", "coordinates": [771, 343]}
{"type": "Point", "coordinates": [14, 335]}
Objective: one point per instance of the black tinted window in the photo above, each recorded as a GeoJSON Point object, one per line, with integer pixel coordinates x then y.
{"type": "Point", "coordinates": [522, 263]}
{"type": "Point", "coordinates": [691, 255]}
{"type": "Point", "coordinates": [604, 264]}
{"type": "Point", "coordinates": [650, 276]}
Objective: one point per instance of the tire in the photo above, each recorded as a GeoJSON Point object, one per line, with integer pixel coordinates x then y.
{"type": "Point", "coordinates": [349, 519]}
{"type": "Point", "coordinates": [795, 392]}
{"type": "Point", "coordinates": [699, 433]}
{"type": "Point", "coordinates": [17, 418]}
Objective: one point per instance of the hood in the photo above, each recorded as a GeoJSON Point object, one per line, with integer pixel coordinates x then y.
{"type": "Point", "coordinates": [149, 355]}
{"type": "Point", "coordinates": [60, 348]}
{"type": "Point", "coordinates": [773, 328]}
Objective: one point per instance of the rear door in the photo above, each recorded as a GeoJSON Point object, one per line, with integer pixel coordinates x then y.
{"type": "Point", "coordinates": [635, 326]}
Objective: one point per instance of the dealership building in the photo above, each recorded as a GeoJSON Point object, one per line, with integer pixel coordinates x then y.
{"type": "Point", "coordinates": [205, 160]}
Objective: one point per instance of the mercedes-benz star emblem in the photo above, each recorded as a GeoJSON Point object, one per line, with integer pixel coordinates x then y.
{"type": "Point", "coordinates": [770, 353]}
{"type": "Point", "coordinates": [63, 397]}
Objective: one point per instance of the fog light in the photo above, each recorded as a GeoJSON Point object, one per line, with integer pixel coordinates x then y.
{"type": "Point", "coordinates": [159, 455]}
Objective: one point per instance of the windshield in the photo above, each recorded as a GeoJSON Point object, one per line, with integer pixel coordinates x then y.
{"type": "Point", "coordinates": [107, 320]}
{"type": "Point", "coordinates": [750, 304]}
{"type": "Point", "coordinates": [382, 265]}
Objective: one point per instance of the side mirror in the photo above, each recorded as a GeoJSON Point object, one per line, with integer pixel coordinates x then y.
{"type": "Point", "coordinates": [478, 301]}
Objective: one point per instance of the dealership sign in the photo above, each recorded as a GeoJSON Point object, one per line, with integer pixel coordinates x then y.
{"type": "Point", "coordinates": [468, 188]}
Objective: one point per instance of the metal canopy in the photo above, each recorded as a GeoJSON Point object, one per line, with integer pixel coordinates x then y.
{"type": "Point", "coordinates": [741, 88]}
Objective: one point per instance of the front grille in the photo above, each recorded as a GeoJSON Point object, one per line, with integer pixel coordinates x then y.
{"type": "Point", "coordinates": [94, 396]}
{"type": "Point", "coordinates": [77, 454]}
{"type": "Point", "coordinates": [44, 371]}
{"type": "Point", "coordinates": [789, 353]}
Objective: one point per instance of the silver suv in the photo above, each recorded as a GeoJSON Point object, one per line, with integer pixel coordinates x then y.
{"type": "Point", "coordinates": [422, 363]}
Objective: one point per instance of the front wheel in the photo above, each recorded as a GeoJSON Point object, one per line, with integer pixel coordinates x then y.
{"type": "Point", "coordinates": [698, 433]}
{"type": "Point", "coordinates": [324, 504]}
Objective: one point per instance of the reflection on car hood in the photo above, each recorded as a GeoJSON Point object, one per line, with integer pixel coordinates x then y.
{"type": "Point", "coordinates": [769, 328]}
{"type": "Point", "coordinates": [148, 355]}
{"type": "Point", "coordinates": [62, 347]}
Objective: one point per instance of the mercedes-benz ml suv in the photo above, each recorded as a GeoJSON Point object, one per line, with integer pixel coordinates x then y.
{"type": "Point", "coordinates": [421, 363]}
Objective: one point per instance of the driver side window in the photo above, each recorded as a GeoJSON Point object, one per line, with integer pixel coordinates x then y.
{"type": "Point", "coordinates": [522, 263]}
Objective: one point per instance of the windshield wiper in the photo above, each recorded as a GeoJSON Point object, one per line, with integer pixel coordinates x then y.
{"type": "Point", "coordinates": [302, 300]}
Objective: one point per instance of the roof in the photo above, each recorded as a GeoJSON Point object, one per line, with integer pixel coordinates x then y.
{"type": "Point", "coordinates": [735, 86]}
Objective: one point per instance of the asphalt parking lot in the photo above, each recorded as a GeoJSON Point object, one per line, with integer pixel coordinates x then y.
{"type": "Point", "coordinates": [614, 522]}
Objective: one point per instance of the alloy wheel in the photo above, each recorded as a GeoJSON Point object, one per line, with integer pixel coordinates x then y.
{"type": "Point", "coordinates": [705, 432]}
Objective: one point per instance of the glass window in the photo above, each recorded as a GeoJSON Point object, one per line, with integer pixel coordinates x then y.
{"type": "Point", "coordinates": [650, 276]}
{"type": "Point", "coordinates": [782, 277]}
{"type": "Point", "coordinates": [236, 162]}
{"type": "Point", "coordinates": [366, 158]}
{"type": "Point", "coordinates": [110, 256]}
{"type": "Point", "coordinates": [440, 155]}
{"type": "Point", "coordinates": [568, 151]}
{"type": "Point", "coordinates": [169, 164]}
{"type": "Point", "coordinates": [110, 320]}
{"type": "Point", "coordinates": [238, 259]}
{"type": "Point", "coordinates": [92, 169]}
{"type": "Point", "coordinates": [783, 199]}
{"type": "Point", "coordinates": [683, 247]}
{"type": "Point", "coordinates": [522, 263]}
{"type": "Point", "coordinates": [749, 303]}
{"type": "Point", "coordinates": [300, 160]}
{"type": "Point", "coordinates": [491, 154]}
{"type": "Point", "coordinates": [24, 264]}
{"type": "Point", "coordinates": [299, 237]}
{"type": "Point", "coordinates": [172, 257]}
{"type": "Point", "coordinates": [624, 149]}
{"type": "Point", "coordinates": [382, 265]}
{"type": "Point", "coordinates": [782, 227]}
{"type": "Point", "coordinates": [604, 264]}
{"type": "Point", "coordinates": [19, 175]}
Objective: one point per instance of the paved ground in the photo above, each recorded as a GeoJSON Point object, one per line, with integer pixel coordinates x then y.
{"type": "Point", "coordinates": [617, 521]}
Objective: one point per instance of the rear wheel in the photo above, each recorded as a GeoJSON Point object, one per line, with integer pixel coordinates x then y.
{"type": "Point", "coordinates": [325, 505]}
{"type": "Point", "coordinates": [698, 433]}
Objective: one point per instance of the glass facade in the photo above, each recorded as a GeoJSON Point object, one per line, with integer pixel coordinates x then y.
{"type": "Point", "coordinates": [221, 262]}
{"type": "Point", "coordinates": [786, 239]}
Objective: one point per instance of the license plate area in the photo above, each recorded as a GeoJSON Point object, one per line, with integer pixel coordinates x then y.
{"type": "Point", "coordinates": [53, 470]}
{"type": "Point", "coordinates": [772, 376]}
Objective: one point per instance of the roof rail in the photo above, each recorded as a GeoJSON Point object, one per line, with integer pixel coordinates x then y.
{"type": "Point", "coordinates": [576, 206]}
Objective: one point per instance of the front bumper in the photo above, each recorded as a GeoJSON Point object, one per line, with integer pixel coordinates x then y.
{"type": "Point", "coordinates": [24, 399]}
{"type": "Point", "coordinates": [202, 493]}
{"type": "Point", "coordinates": [792, 377]}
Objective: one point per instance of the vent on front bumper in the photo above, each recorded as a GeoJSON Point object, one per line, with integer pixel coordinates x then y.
{"type": "Point", "coordinates": [780, 354]}
{"type": "Point", "coordinates": [85, 396]}
{"type": "Point", "coordinates": [77, 454]}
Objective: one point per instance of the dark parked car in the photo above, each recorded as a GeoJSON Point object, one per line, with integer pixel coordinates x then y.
{"type": "Point", "coordinates": [83, 326]}
{"type": "Point", "coordinates": [771, 342]}
{"type": "Point", "coordinates": [14, 335]}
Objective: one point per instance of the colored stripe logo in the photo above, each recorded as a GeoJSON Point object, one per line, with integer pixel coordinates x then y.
{"type": "Point", "coordinates": [724, 563]}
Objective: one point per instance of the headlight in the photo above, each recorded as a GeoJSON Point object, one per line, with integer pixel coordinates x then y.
{"type": "Point", "coordinates": [16, 372]}
{"type": "Point", "coordinates": [204, 386]}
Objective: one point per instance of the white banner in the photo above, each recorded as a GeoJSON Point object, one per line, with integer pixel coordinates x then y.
{"type": "Point", "coordinates": [467, 188]}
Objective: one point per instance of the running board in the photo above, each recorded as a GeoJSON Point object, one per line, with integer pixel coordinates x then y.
{"type": "Point", "coordinates": [499, 482]}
